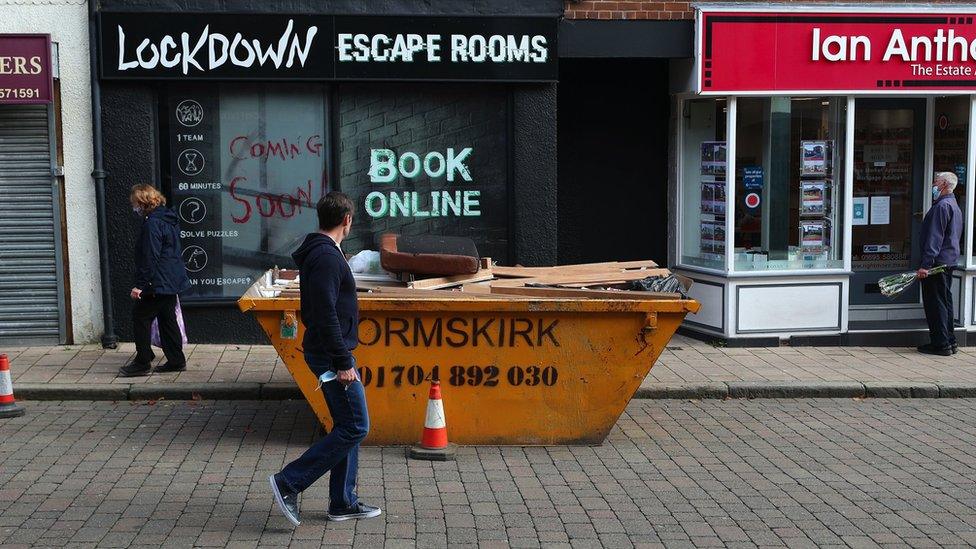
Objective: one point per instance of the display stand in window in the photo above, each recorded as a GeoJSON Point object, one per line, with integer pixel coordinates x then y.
{"type": "Point", "coordinates": [713, 199]}
{"type": "Point", "coordinates": [816, 191]}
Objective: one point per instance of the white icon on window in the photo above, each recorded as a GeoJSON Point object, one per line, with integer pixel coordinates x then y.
{"type": "Point", "coordinates": [189, 113]}
{"type": "Point", "coordinates": [193, 210]}
{"type": "Point", "coordinates": [195, 258]}
{"type": "Point", "coordinates": [191, 162]}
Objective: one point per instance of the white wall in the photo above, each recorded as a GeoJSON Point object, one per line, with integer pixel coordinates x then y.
{"type": "Point", "coordinates": [67, 23]}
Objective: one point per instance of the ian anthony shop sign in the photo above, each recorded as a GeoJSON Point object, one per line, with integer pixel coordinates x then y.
{"type": "Point", "coordinates": [323, 47]}
{"type": "Point", "coordinates": [886, 52]}
{"type": "Point", "coordinates": [25, 69]}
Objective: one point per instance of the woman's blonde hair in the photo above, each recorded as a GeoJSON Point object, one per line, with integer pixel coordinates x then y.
{"type": "Point", "coordinates": [146, 197]}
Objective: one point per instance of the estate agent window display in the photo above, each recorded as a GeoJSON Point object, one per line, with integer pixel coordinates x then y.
{"type": "Point", "coordinates": [787, 173]}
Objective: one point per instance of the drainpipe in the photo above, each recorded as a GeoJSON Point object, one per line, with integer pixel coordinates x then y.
{"type": "Point", "coordinates": [109, 339]}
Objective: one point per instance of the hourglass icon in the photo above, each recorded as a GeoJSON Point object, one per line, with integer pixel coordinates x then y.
{"type": "Point", "coordinates": [191, 162]}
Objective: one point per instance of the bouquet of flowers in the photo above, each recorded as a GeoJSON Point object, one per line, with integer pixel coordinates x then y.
{"type": "Point", "coordinates": [895, 284]}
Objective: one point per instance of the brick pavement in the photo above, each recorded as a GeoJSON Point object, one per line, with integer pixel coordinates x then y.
{"type": "Point", "coordinates": [739, 473]}
{"type": "Point", "coordinates": [689, 360]}
{"type": "Point", "coordinates": [90, 364]}
{"type": "Point", "coordinates": [686, 361]}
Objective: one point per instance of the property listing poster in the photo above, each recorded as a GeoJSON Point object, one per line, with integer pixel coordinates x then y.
{"type": "Point", "coordinates": [713, 169]}
{"type": "Point", "coordinates": [813, 159]}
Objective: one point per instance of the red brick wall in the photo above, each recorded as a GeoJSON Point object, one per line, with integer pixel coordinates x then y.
{"type": "Point", "coordinates": [605, 9]}
{"type": "Point", "coordinates": [608, 9]}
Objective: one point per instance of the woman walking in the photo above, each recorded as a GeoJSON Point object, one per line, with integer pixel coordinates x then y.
{"type": "Point", "coordinates": [160, 276]}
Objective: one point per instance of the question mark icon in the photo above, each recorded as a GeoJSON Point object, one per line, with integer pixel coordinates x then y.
{"type": "Point", "coordinates": [193, 210]}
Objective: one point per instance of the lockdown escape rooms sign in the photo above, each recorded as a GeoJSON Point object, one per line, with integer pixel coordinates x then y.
{"type": "Point", "coordinates": [325, 47]}
{"type": "Point", "coordinates": [842, 52]}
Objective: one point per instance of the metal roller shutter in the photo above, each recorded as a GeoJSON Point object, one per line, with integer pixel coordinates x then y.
{"type": "Point", "coordinates": [30, 286]}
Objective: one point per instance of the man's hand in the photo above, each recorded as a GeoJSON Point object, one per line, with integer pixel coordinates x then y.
{"type": "Point", "coordinates": [922, 273]}
{"type": "Point", "coordinates": [346, 377]}
{"type": "Point", "coordinates": [136, 293]}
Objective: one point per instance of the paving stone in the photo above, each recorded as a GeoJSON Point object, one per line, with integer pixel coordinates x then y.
{"type": "Point", "coordinates": [745, 473]}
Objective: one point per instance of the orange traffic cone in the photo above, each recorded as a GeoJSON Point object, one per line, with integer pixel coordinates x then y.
{"type": "Point", "coordinates": [8, 406]}
{"type": "Point", "coordinates": [433, 444]}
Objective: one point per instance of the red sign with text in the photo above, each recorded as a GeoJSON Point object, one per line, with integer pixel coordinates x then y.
{"type": "Point", "coordinates": [25, 69]}
{"type": "Point", "coordinates": [778, 52]}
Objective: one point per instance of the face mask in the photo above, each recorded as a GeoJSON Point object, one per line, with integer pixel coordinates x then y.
{"type": "Point", "coordinates": [935, 193]}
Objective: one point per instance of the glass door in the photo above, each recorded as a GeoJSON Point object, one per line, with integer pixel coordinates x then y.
{"type": "Point", "coordinates": [889, 148]}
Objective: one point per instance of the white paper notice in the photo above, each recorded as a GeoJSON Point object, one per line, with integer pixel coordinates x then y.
{"type": "Point", "coordinates": [860, 210]}
{"type": "Point", "coordinates": [880, 210]}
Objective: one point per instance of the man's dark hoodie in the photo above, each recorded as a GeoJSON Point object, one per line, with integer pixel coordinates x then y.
{"type": "Point", "coordinates": [159, 265]}
{"type": "Point", "coordinates": [330, 310]}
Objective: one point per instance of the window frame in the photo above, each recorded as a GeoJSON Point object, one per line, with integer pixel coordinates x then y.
{"type": "Point", "coordinates": [848, 192]}
{"type": "Point", "coordinates": [163, 154]}
{"type": "Point", "coordinates": [683, 99]}
{"type": "Point", "coordinates": [729, 270]}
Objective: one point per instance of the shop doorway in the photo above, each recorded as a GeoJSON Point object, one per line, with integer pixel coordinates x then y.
{"type": "Point", "coordinates": [613, 160]}
{"type": "Point", "coordinates": [889, 179]}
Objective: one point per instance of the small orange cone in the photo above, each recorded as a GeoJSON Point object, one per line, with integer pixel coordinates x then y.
{"type": "Point", "coordinates": [433, 444]}
{"type": "Point", "coordinates": [8, 406]}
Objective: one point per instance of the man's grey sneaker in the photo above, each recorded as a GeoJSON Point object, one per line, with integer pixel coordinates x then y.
{"type": "Point", "coordinates": [287, 501]}
{"type": "Point", "coordinates": [134, 369]}
{"type": "Point", "coordinates": [358, 511]}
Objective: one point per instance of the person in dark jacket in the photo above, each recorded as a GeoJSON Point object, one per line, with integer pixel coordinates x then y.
{"type": "Point", "coordinates": [160, 276]}
{"type": "Point", "coordinates": [330, 313]}
{"type": "Point", "coordinates": [941, 231]}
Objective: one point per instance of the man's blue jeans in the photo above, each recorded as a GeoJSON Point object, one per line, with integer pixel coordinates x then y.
{"type": "Point", "coordinates": [339, 450]}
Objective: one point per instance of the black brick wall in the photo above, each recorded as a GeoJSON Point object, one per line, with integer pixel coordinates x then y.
{"type": "Point", "coordinates": [421, 119]}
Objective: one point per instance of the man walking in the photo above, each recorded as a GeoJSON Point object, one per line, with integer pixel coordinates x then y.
{"type": "Point", "coordinates": [941, 229]}
{"type": "Point", "coordinates": [330, 313]}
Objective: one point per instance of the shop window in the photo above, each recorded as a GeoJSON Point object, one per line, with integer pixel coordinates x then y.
{"type": "Point", "coordinates": [248, 163]}
{"type": "Point", "coordinates": [950, 145]}
{"type": "Point", "coordinates": [789, 183]}
{"type": "Point", "coordinates": [703, 180]}
{"type": "Point", "coordinates": [425, 159]}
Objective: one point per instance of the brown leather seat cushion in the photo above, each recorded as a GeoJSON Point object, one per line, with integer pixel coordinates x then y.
{"type": "Point", "coordinates": [434, 264]}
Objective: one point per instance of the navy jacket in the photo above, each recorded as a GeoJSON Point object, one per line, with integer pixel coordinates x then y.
{"type": "Point", "coordinates": [941, 231]}
{"type": "Point", "coordinates": [159, 265]}
{"type": "Point", "coordinates": [330, 309]}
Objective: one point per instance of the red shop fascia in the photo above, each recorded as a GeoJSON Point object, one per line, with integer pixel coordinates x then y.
{"type": "Point", "coordinates": [835, 51]}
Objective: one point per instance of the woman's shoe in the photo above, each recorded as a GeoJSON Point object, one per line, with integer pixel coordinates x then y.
{"type": "Point", "coordinates": [168, 368]}
{"type": "Point", "coordinates": [133, 369]}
